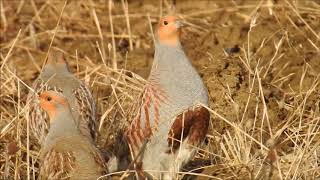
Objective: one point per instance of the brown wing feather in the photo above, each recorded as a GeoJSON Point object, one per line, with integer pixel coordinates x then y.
{"type": "Point", "coordinates": [102, 166]}
{"type": "Point", "coordinates": [199, 129]}
{"type": "Point", "coordinates": [192, 124]}
{"type": "Point", "coordinates": [180, 129]}
{"type": "Point", "coordinates": [57, 165]}
{"type": "Point", "coordinates": [87, 111]}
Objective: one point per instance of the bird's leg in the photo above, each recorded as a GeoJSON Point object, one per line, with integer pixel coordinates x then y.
{"type": "Point", "coordinates": [199, 127]}
{"type": "Point", "coordinates": [137, 161]}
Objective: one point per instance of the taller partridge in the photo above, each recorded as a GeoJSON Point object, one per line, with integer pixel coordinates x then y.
{"type": "Point", "coordinates": [170, 122]}
{"type": "Point", "coordinates": [57, 77]}
{"type": "Point", "coordinates": [66, 153]}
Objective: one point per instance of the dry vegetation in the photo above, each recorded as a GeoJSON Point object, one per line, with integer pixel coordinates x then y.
{"type": "Point", "coordinates": [259, 59]}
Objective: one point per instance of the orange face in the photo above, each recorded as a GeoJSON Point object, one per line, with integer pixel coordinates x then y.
{"type": "Point", "coordinates": [168, 31]}
{"type": "Point", "coordinates": [50, 101]}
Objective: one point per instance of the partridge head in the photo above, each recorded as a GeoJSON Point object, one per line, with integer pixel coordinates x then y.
{"type": "Point", "coordinates": [53, 103]}
{"type": "Point", "coordinates": [169, 30]}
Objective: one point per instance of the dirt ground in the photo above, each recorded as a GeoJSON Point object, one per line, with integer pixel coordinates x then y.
{"type": "Point", "coordinates": [259, 59]}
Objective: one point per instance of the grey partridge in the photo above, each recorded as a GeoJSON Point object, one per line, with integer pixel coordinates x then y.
{"type": "Point", "coordinates": [170, 121]}
{"type": "Point", "coordinates": [66, 153]}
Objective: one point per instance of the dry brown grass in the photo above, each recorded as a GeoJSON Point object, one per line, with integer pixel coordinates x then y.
{"type": "Point", "coordinates": [264, 100]}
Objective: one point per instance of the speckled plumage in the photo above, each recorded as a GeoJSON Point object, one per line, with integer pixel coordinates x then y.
{"type": "Point", "coordinates": [57, 77]}
{"type": "Point", "coordinates": [66, 153]}
{"type": "Point", "coordinates": [73, 157]}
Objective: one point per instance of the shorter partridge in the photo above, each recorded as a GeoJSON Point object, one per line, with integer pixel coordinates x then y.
{"type": "Point", "coordinates": [66, 153]}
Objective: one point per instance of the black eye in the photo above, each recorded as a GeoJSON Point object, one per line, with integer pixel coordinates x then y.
{"type": "Point", "coordinates": [49, 98]}
{"type": "Point", "coordinates": [165, 22]}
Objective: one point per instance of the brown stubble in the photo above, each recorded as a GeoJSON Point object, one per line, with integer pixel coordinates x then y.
{"type": "Point", "coordinates": [240, 147]}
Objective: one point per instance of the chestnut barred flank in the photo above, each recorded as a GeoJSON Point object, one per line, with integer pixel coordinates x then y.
{"type": "Point", "coordinates": [147, 117]}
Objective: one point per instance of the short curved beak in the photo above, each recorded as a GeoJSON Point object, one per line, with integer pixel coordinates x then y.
{"type": "Point", "coordinates": [179, 24]}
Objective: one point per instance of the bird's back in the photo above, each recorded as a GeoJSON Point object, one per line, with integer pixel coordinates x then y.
{"type": "Point", "coordinates": [64, 80]}
{"type": "Point", "coordinates": [58, 78]}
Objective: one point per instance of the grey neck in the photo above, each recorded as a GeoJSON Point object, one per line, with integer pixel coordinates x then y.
{"type": "Point", "coordinates": [161, 48]}
{"type": "Point", "coordinates": [62, 125]}
{"type": "Point", "coordinates": [165, 60]}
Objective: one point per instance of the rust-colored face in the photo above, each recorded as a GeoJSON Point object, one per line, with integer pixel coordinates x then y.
{"type": "Point", "coordinates": [50, 101]}
{"type": "Point", "coordinates": [168, 31]}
